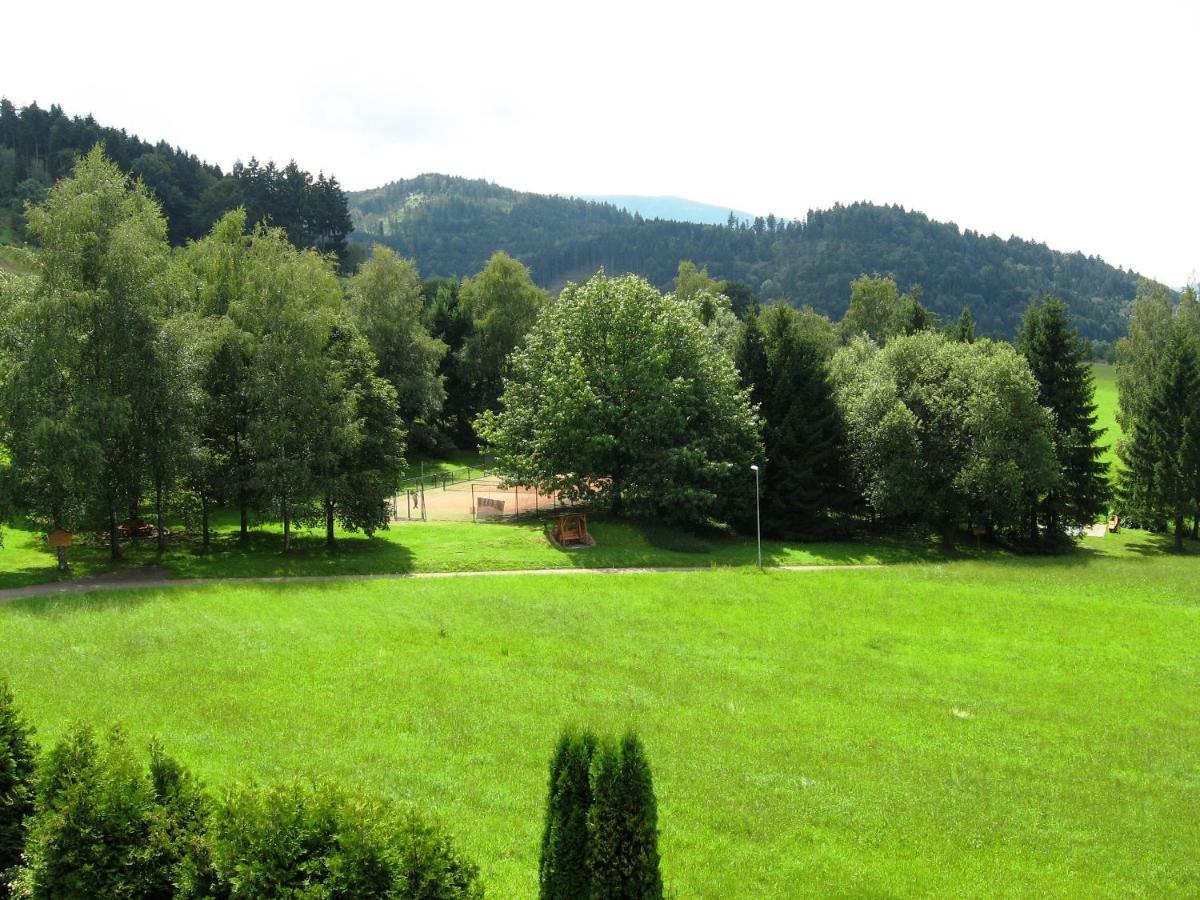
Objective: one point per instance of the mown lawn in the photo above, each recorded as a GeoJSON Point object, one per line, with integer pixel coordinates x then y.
{"type": "Point", "coordinates": [1106, 410]}
{"type": "Point", "coordinates": [978, 728]}
{"type": "Point", "coordinates": [438, 547]}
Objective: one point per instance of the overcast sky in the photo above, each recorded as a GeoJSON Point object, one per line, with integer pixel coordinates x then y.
{"type": "Point", "coordinates": [1071, 123]}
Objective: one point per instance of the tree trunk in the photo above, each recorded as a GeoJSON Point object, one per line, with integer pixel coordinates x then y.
{"type": "Point", "coordinates": [287, 529]}
{"type": "Point", "coordinates": [1196, 525]}
{"type": "Point", "coordinates": [204, 519]}
{"type": "Point", "coordinates": [328, 521]}
{"type": "Point", "coordinates": [114, 543]}
{"type": "Point", "coordinates": [1179, 529]}
{"type": "Point", "coordinates": [62, 559]}
{"type": "Point", "coordinates": [948, 534]}
{"type": "Point", "coordinates": [158, 517]}
{"type": "Point", "coordinates": [243, 502]}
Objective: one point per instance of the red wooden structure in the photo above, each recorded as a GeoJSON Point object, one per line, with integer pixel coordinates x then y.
{"type": "Point", "coordinates": [570, 530]}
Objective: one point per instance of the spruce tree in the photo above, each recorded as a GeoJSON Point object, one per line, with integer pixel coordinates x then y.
{"type": "Point", "coordinates": [623, 824]}
{"type": "Point", "coordinates": [1163, 461]}
{"type": "Point", "coordinates": [16, 782]}
{"type": "Point", "coordinates": [1058, 358]}
{"type": "Point", "coordinates": [807, 476]}
{"type": "Point", "coordinates": [963, 330]}
{"type": "Point", "coordinates": [750, 357]}
{"type": "Point", "coordinates": [563, 872]}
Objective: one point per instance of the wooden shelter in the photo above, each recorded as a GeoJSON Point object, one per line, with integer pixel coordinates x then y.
{"type": "Point", "coordinates": [570, 531]}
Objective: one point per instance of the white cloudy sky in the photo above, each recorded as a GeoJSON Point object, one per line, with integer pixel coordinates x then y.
{"type": "Point", "coordinates": [1071, 123]}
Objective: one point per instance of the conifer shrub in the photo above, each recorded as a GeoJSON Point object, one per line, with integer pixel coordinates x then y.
{"type": "Point", "coordinates": [601, 834]}
{"type": "Point", "coordinates": [294, 839]}
{"type": "Point", "coordinates": [623, 824]}
{"type": "Point", "coordinates": [17, 771]}
{"type": "Point", "coordinates": [105, 826]}
{"type": "Point", "coordinates": [563, 873]}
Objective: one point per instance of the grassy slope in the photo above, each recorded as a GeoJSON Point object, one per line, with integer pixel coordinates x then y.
{"type": "Point", "coordinates": [1017, 727]}
{"type": "Point", "coordinates": [1106, 409]}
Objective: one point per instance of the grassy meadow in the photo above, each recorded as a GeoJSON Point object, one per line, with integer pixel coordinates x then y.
{"type": "Point", "coordinates": [1106, 410]}
{"type": "Point", "coordinates": [1008, 727]}
{"type": "Point", "coordinates": [409, 547]}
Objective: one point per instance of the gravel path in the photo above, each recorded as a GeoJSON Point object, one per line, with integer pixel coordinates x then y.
{"type": "Point", "coordinates": [157, 577]}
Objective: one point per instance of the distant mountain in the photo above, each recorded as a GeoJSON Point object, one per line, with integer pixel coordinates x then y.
{"type": "Point", "coordinates": [451, 225]}
{"type": "Point", "coordinates": [678, 209]}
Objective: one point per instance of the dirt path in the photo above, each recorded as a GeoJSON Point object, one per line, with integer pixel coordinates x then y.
{"type": "Point", "coordinates": [157, 577]}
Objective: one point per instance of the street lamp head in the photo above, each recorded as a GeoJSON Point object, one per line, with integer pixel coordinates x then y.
{"type": "Point", "coordinates": [754, 468]}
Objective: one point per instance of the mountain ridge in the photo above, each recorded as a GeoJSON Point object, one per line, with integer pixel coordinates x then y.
{"type": "Point", "coordinates": [451, 225]}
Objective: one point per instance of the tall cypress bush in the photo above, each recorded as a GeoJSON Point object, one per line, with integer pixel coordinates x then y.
{"type": "Point", "coordinates": [563, 873]}
{"type": "Point", "coordinates": [17, 766]}
{"type": "Point", "coordinates": [623, 824]}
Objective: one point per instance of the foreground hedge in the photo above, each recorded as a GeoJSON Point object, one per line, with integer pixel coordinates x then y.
{"type": "Point", "coordinates": [98, 822]}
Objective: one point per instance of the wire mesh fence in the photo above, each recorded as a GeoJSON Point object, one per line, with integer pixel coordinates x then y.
{"type": "Point", "coordinates": [480, 499]}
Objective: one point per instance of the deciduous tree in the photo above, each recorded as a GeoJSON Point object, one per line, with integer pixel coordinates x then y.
{"type": "Point", "coordinates": [620, 396]}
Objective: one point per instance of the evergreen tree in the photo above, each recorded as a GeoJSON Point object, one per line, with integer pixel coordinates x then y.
{"type": "Point", "coordinates": [750, 357]}
{"type": "Point", "coordinates": [911, 317]}
{"type": "Point", "coordinates": [1058, 358]}
{"type": "Point", "coordinates": [563, 872]}
{"type": "Point", "coordinates": [16, 783]}
{"type": "Point", "coordinates": [964, 329]}
{"type": "Point", "coordinates": [1163, 460]}
{"type": "Point", "coordinates": [807, 476]}
{"type": "Point", "coordinates": [104, 826]}
{"type": "Point", "coordinates": [623, 824]}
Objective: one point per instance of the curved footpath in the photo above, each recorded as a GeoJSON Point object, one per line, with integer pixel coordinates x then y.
{"type": "Point", "coordinates": [157, 577]}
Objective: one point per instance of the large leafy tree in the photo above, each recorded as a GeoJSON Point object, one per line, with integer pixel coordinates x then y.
{"type": "Point", "coordinates": [807, 475]}
{"type": "Point", "coordinates": [1059, 360]}
{"type": "Point", "coordinates": [82, 401]}
{"type": "Point", "coordinates": [1139, 354]}
{"type": "Point", "coordinates": [52, 438]}
{"type": "Point", "coordinates": [620, 396]}
{"type": "Point", "coordinates": [501, 303]}
{"type": "Point", "coordinates": [388, 306]}
{"type": "Point", "coordinates": [221, 466]}
{"type": "Point", "coordinates": [290, 307]}
{"type": "Point", "coordinates": [360, 451]}
{"type": "Point", "coordinates": [943, 432]}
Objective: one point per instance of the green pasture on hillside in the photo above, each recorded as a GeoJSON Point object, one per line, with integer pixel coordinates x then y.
{"type": "Point", "coordinates": [1106, 410]}
{"type": "Point", "coordinates": [1010, 727]}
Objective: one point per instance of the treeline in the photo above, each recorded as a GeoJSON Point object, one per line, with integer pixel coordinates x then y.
{"type": "Point", "coordinates": [1158, 384]}
{"type": "Point", "coordinates": [238, 371]}
{"type": "Point", "coordinates": [453, 225]}
{"type": "Point", "coordinates": [660, 405]}
{"type": "Point", "coordinates": [38, 147]}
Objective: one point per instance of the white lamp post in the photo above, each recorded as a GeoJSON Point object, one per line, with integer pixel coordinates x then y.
{"type": "Point", "coordinates": [757, 517]}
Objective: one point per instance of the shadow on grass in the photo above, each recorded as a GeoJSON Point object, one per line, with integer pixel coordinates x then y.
{"type": "Point", "coordinates": [262, 555]}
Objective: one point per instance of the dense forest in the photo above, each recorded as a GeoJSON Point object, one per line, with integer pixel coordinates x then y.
{"type": "Point", "coordinates": [452, 225]}
{"type": "Point", "coordinates": [38, 147]}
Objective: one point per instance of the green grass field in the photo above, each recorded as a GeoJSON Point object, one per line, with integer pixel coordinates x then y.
{"type": "Point", "coordinates": [985, 728]}
{"type": "Point", "coordinates": [439, 547]}
{"type": "Point", "coordinates": [1106, 410]}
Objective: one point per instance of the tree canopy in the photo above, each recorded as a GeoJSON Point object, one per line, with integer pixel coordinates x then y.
{"type": "Point", "coordinates": [621, 397]}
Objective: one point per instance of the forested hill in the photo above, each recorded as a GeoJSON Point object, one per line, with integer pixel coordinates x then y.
{"type": "Point", "coordinates": [39, 146]}
{"type": "Point", "coordinates": [452, 225]}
